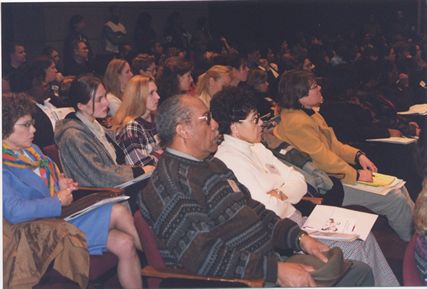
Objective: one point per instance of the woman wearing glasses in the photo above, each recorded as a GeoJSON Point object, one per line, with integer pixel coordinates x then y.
{"type": "Point", "coordinates": [304, 128]}
{"type": "Point", "coordinates": [271, 182]}
{"type": "Point", "coordinates": [33, 189]}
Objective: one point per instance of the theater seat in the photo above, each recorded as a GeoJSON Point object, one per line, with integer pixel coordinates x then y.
{"type": "Point", "coordinates": [156, 270]}
{"type": "Point", "coordinates": [411, 274]}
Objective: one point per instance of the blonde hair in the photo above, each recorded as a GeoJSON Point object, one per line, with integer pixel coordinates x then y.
{"type": "Point", "coordinates": [420, 212]}
{"type": "Point", "coordinates": [216, 72]}
{"type": "Point", "coordinates": [111, 77]}
{"type": "Point", "coordinates": [134, 101]}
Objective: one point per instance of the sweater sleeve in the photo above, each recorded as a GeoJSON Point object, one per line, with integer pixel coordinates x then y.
{"type": "Point", "coordinates": [82, 162]}
{"type": "Point", "coordinates": [303, 135]}
{"type": "Point", "coordinates": [18, 209]}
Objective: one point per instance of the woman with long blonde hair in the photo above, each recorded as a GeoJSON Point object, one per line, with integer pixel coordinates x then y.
{"type": "Point", "coordinates": [212, 81]}
{"type": "Point", "coordinates": [116, 76]}
{"type": "Point", "coordinates": [135, 130]}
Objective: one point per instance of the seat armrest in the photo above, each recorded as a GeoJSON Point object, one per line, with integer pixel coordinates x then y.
{"type": "Point", "coordinates": [166, 273]}
{"type": "Point", "coordinates": [314, 200]}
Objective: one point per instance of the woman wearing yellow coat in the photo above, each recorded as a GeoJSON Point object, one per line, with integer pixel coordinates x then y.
{"type": "Point", "coordinates": [307, 130]}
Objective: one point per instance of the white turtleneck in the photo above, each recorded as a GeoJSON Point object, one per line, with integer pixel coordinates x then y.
{"type": "Point", "coordinates": [261, 172]}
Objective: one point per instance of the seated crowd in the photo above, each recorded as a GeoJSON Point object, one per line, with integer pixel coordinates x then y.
{"type": "Point", "coordinates": [204, 122]}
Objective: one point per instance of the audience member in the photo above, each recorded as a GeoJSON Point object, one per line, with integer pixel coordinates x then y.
{"type": "Point", "coordinates": [197, 207]}
{"type": "Point", "coordinates": [175, 77]}
{"type": "Point", "coordinates": [116, 77]}
{"type": "Point", "coordinates": [144, 64]}
{"type": "Point", "coordinates": [271, 182]}
{"type": "Point", "coordinates": [305, 129]}
{"type": "Point", "coordinates": [88, 152]}
{"type": "Point", "coordinates": [33, 188]}
{"type": "Point", "coordinates": [14, 55]}
{"type": "Point", "coordinates": [134, 122]}
{"type": "Point", "coordinates": [258, 83]}
{"type": "Point", "coordinates": [76, 26]}
{"type": "Point", "coordinates": [212, 81]}
{"type": "Point", "coordinates": [114, 32]}
{"type": "Point", "coordinates": [78, 63]}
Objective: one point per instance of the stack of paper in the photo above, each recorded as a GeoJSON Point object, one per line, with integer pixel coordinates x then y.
{"type": "Point", "coordinates": [394, 139]}
{"type": "Point", "coordinates": [96, 205]}
{"type": "Point", "coordinates": [334, 223]}
{"type": "Point", "coordinates": [134, 181]}
{"type": "Point", "coordinates": [380, 190]}
{"type": "Point", "coordinates": [379, 180]}
{"type": "Point", "coordinates": [416, 109]}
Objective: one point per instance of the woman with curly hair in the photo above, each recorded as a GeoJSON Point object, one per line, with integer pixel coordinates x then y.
{"type": "Point", "coordinates": [33, 188]}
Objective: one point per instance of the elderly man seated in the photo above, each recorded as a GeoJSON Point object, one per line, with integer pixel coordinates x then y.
{"type": "Point", "coordinates": [205, 220]}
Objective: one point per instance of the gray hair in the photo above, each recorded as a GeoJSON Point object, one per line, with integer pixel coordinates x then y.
{"type": "Point", "coordinates": [169, 114]}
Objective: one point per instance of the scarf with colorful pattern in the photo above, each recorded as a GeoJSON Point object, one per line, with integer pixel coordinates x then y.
{"type": "Point", "coordinates": [49, 171]}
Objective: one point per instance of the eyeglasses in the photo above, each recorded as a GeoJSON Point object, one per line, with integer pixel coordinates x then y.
{"type": "Point", "coordinates": [207, 116]}
{"type": "Point", "coordinates": [255, 120]}
{"type": "Point", "coordinates": [27, 124]}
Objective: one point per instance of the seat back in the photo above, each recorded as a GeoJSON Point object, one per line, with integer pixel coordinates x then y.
{"type": "Point", "coordinates": [52, 152]}
{"type": "Point", "coordinates": [411, 275]}
{"type": "Point", "coordinates": [149, 244]}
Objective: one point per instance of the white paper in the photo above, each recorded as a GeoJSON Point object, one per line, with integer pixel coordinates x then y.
{"type": "Point", "coordinates": [96, 205]}
{"type": "Point", "coordinates": [135, 180]}
{"type": "Point", "coordinates": [394, 139]}
{"type": "Point", "coordinates": [416, 109]}
{"type": "Point", "coordinates": [396, 184]}
{"type": "Point", "coordinates": [334, 223]}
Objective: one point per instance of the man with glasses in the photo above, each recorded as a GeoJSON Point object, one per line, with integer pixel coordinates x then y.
{"type": "Point", "coordinates": [205, 220]}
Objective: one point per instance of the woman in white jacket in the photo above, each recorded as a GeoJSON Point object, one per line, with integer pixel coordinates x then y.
{"type": "Point", "coordinates": [270, 181]}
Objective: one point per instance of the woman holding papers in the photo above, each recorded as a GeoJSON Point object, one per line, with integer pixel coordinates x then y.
{"type": "Point", "coordinates": [134, 122]}
{"type": "Point", "coordinates": [87, 150]}
{"type": "Point", "coordinates": [269, 180]}
{"type": "Point", "coordinates": [305, 129]}
{"type": "Point", "coordinates": [33, 188]}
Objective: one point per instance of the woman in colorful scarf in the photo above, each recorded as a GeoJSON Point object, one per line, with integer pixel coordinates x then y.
{"type": "Point", "coordinates": [33, 188]}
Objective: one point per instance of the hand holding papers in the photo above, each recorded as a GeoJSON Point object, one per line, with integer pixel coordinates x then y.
{"type": "Point", "coordinates": [379, 180]}
{"type": "Point", "coordinates": [379, 185]}
{"type": "Point", "coordinates": [334, 223]}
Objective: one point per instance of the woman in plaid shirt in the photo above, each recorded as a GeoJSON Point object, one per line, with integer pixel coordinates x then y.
{"type": "Point", "coordinates": [135, 130]}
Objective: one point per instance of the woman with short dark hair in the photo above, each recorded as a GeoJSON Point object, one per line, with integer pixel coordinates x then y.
{"type": "Point", "coordinates": [305, 128]}
{"type": "Point", "coordinates": [175, 78]}
{"type": "Point", "coordinates": [270, 181]}
{"type": "Point", "coordinates": [33, 188]}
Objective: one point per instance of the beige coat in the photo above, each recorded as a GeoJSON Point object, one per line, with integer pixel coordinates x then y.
{"type": "Point", "coordinates": [29, 248]}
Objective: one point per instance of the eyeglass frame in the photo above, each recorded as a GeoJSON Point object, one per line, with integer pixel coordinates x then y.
{"type": "Point", "coordinates": [207, 116]}
{"type": "Point", "coordinates": [253, 121]}
{"type": "Point", "coordinates": [27, 124]}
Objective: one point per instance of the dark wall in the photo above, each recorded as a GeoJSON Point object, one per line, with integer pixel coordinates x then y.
{"type": "Point", "coordinates": [268, 21]}
{"type": "Point", "coordinates": [40, 24]}
{"type": "Point", "coordinates": [274, 21]}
